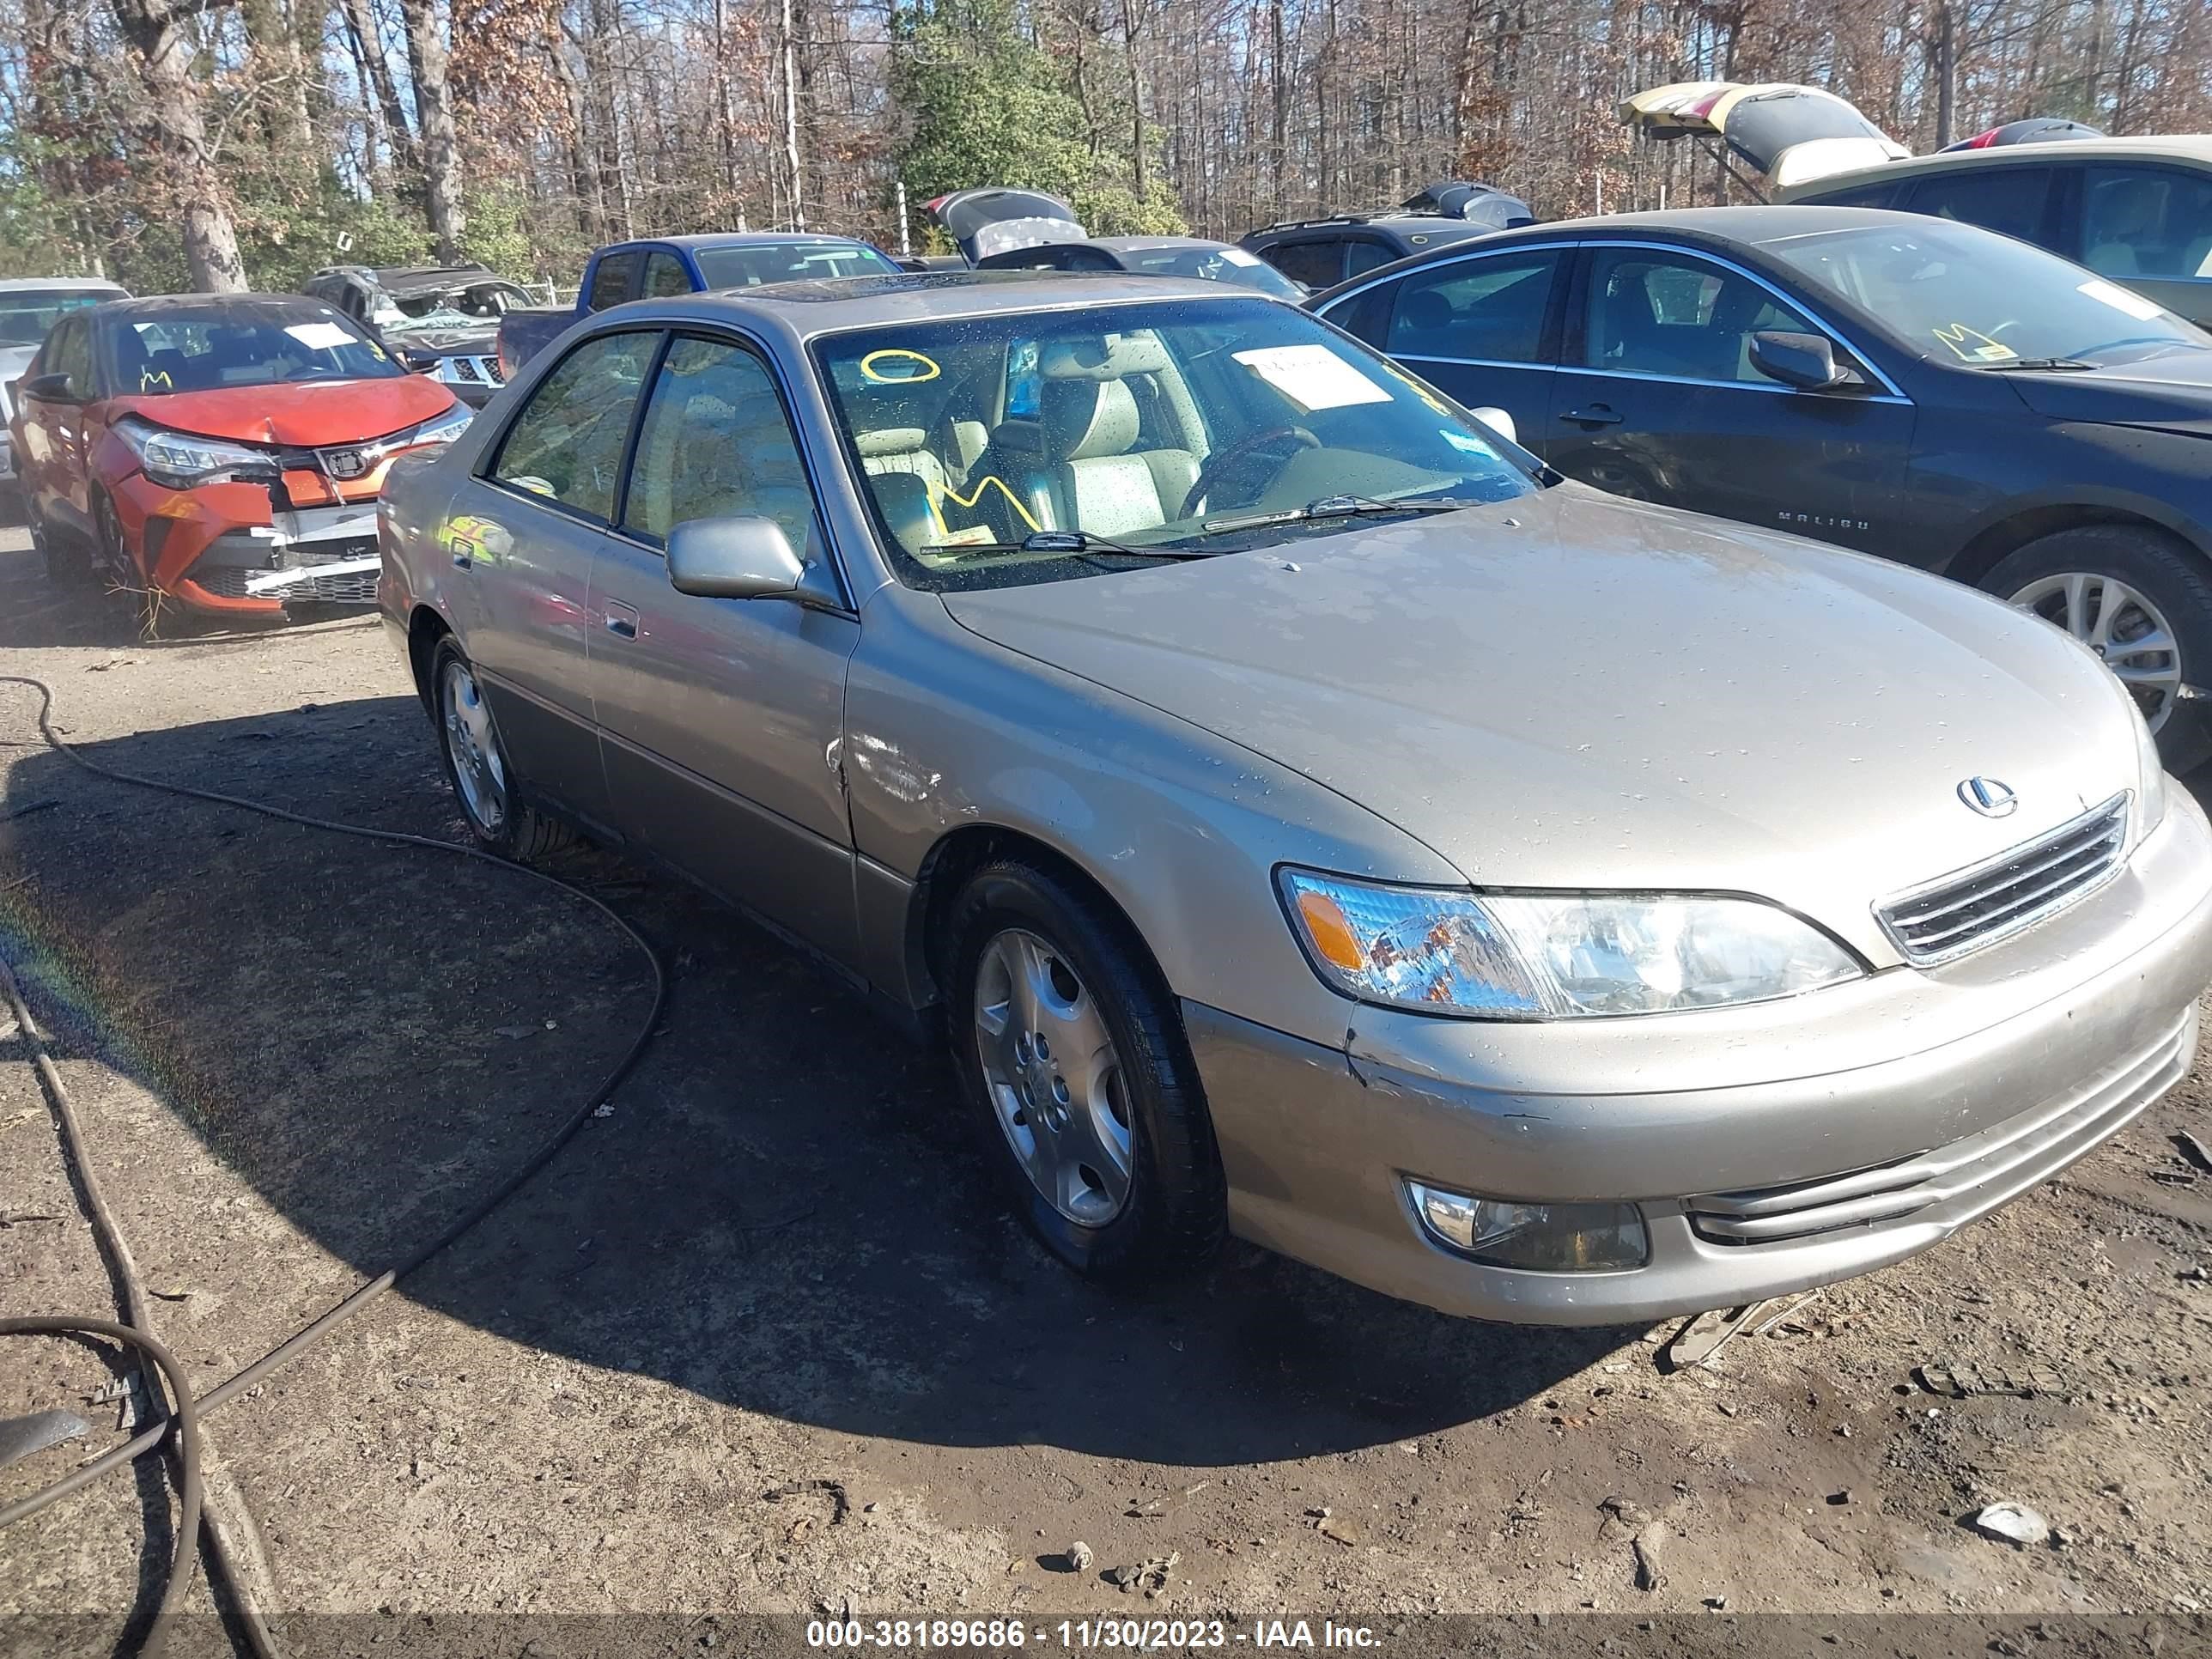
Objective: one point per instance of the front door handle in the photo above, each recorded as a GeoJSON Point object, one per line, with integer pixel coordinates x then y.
{"type": "Point", "coordinates": [621, 620]}
{"type": "Point", "coordinates": [1596, 414]}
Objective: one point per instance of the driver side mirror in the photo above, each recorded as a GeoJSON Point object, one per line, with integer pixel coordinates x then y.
{"type": "Point", "coordinates": [52, 387]}
{"type": "Point", "coordinates": [733, 558]}
{"type": "Point", "coordinates": [418, 363]}
{"type": "Point", "coordinates": [1806, 361]}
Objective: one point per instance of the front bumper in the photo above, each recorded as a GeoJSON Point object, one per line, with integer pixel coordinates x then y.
{"type": "Point", "coordinates": [1758, 1185]}
{"type": "Point", "coordinates": [232, 550]}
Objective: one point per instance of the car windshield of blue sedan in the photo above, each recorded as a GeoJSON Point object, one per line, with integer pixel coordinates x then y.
{"type": "Point", "coordinates": [1033, 446]}
{"type": "Point", "coordinates": [1967, 296]}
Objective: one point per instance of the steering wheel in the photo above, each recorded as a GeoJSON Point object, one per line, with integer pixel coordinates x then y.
{"type": "Point", "coordinates": [1222, 460]}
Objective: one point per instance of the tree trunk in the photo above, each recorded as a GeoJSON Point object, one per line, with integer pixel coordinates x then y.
{"type": "Point", "coordinates": [791, 122]}
{"type": "Point", "coordinates": [1130, 26]}
{"type": "Point", "coordinates": [369, 50]}
{"type": "Point", "coordinates": [1277, 150]}
{"type": "Point", "coordinates": [426, 59]}
{"type": "Point", "coordinates": [583, 177]}
{"type": "Point", "coordinates": [172, 97]}
{"type": "Point", "coordinates": [1945, 69]}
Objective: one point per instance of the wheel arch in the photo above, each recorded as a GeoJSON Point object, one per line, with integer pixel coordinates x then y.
{"type": "Point", "coordinates": [1994, 543]}
{"type": "Point", "coordinates": [958, 854]}
{"type": "Point", "coordinates": [425, 628]}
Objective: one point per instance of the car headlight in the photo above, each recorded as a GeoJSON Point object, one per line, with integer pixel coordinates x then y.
{"type": "Point", "coordinates": [1553, 956]}
{"type": "Point", "coordinates": [438, 429]}
{"type": "Point", "coordinates": [180, 460]}
{"type": "Point", "coordinates": [2150, 773]}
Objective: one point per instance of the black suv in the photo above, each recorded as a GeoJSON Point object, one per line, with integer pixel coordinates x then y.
{"type": "Point", "coordinates": [1319, 254]}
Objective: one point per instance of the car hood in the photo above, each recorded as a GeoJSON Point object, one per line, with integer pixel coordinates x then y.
{"type": "Point", "coordinates": [1575, 691]}
{"type": "Point", "coordinates": [475, 341]}
{"type": "Point", "coordinates": [2173, 392]}
{"type": "Point", "coordinates": [307, 414]}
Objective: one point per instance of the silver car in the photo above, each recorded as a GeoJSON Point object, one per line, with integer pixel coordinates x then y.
{"type": "Point", "coordinates": [1310, 819]}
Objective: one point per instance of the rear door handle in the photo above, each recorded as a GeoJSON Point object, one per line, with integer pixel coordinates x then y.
{"type": "Point", "coordinates": [621, 620]}
{"type": "Point", "coordinates": [1596, 414]}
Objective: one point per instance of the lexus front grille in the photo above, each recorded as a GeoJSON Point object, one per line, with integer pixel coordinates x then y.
{"type": "Point", "coordinates": [1976, 906]}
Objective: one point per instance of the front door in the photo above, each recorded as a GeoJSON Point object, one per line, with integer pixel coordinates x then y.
{"type": "Point", "coordinates": [521, 538]}
{"type": "Point", "coordinates": [719, 718]}
{"type": "Point", "coordinates": [1656, 398]}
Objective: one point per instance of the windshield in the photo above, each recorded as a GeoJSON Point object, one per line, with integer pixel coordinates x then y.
{"type": "Point", "coordinates": [25, 314]}
{"type": "Point", "coordinates": [1959, 294]}
{"type": "Point", "coordinates": [205, 348]}
{"type": "Point", "coordinates": [1213, 265]}
{"type": "Point", "coordinates": [749, 265]}
{"type": "Point", "coordinates": [469, 307]}
{"type": "Point", "coordinates": [1163, 429]}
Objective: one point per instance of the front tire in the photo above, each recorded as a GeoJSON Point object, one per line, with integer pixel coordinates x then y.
{"type": "Point", "coordinates": [476, 766]}
{"type": "Point", "coordinates": [1072, 1055]}
{"type": "Point", "coordinates": [2140, 600]}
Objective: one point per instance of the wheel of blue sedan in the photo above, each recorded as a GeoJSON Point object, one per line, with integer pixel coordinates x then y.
{"type": "Point", "coordinates": [1072, 1047]}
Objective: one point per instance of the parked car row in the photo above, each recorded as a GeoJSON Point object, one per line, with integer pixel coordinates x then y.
{"type": "Point", "coordinates": [1315, 817]}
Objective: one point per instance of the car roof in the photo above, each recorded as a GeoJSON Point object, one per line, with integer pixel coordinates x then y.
{"type": "Point", "coordinates": [1715, 229]}
{"type": "Point", "coordinates": [29, 284]}
{"type": "Point", "coordinates": [830, 304]}
{"type": "Point", "coordinates": [174, 305]}
{"type": "Point", "coordinates": [2181, 147]}
{"type": "Point", "coordinates": [741, 238]}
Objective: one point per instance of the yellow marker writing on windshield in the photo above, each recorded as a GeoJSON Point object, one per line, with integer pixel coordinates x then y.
{"type": "Point", "coordinates": [927, 369]}
{"type": "Point", "coordinates": [939, 493]}
{"type": "Point", "coordinates": [1971, 345]}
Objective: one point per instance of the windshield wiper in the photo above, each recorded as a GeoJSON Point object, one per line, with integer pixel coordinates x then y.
{"type": "Point", "coordinates": [1063, 541]}
{"type": "Point", "coordinates": [1339, 506]}
{"type": "Point", "coordinates": [2069, 363]}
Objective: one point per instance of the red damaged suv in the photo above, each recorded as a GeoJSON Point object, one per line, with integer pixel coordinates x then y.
{"type": "Point", "coordinates": [220, 452]}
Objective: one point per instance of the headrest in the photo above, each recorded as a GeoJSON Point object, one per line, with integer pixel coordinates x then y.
{"type": "Point", "coordinates": [1104, 357]}
{"type": "Point", "coordinates": [1425, 312]}
{"type": "Point", "coordinates": [1083, 420]}
{"type": "Point", "coordinates": [890, 440]}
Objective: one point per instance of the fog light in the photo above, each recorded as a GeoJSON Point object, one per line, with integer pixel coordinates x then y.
{"type": "Point", "coordinates": [1545, 1237]}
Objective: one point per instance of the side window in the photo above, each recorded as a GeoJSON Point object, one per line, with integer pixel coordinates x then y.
{"type": "Point", "coordinates": [567, 442]}
{"type": "Point", "coordinates": [1317, 264]}
{"type": "Point", "coordinates": [1085, 259]}
{"type": "Point", "coordinates": [1866, 196]}
{"type": "Point", "coordinates": [664, 275]}
{"type": "Point", "coordinates": [1364, 253]}
{"type": "Point", "coordinates": [715, 443]}
{"type": "Point", "coordinates": [1367, 313]}
{"type": "Point", "coordinates": [1491, 310]}
{"type": "Point", "coordinates": [614, 281]}
{"type": "Point", "coordinates": [72, 355]}
{"type": "Point", "coordinates": [2006, 199]}
{"type": "Point", "coordinates": [1670, 315]}
{"type": "Point", "coordinates": [2146, 221]}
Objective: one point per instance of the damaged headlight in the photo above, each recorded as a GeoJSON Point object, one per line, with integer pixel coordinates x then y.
{"type": "Point", "coordinates": [180, 460]}
{"type": "Point", "coordinates": [1553, 956]}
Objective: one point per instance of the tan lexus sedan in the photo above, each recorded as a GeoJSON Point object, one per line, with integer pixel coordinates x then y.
{"type": "Point", "coordinates": [1307, 817]}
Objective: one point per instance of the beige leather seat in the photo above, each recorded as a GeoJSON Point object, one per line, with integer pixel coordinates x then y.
{"type": "Point", "coordinates": [1098, 478]}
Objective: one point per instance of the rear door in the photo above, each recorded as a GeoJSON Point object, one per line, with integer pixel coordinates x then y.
{"type": "Point", "coordinates": [522, 536]}
{"type": "Point", "coordinates": [1656, 398]}
{"type": "Point", "coordinates": [718, 718]}
{"type": "Point", "coordinates": [1483, 328]}
{"type": "Point", "coordinates": [56, 463]}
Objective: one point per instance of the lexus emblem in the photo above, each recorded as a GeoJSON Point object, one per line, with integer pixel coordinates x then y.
{"type": "Point", "coordinates": [1988, 797]}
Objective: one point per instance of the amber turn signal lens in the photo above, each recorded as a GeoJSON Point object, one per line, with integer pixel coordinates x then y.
{"type": "Point", "coordinates": [1331, 933]}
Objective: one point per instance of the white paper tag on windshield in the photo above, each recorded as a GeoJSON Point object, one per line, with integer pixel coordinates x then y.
{"type": "Point", "coordinates": [1312, 376]}
{"type": "Point", "coordinates": [320, 337]}
{"type": "Point", "coordinates": [2119, 299]}
{"type": "Point", "coordinates": [1238, 256]}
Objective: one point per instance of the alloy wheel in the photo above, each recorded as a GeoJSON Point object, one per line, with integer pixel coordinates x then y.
{"type": "Point", "coordinates": [1055, 1080]}
{"type": "Point", "coordinates": [2121, 625]}
{"type": "Point", "coordinates": [479, 772]}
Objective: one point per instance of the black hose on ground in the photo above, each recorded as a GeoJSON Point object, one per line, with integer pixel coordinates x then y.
{"type": "Point", "coordinates": [187, 1410]}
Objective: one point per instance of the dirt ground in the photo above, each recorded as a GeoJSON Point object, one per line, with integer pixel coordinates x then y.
{"type": "Point", "coordinates": [763, 1340]}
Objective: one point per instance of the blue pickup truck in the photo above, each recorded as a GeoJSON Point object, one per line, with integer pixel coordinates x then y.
{"type": "Point", "coordinates": [659, 266]}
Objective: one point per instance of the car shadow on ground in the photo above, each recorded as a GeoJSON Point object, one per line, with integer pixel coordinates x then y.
{"type": "Point", "coordinates": [786, 1209]}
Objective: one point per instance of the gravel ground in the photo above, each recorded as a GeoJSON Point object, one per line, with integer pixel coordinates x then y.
{"type": "Point", "coordinates": [762, 1339]}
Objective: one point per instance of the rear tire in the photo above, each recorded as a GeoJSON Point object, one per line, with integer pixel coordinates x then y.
{"type": "Point", "coordinates": [2123, 590]}
{"type": "Point", "coordinates": [483, 781]}
{"type": "Point", "coordinates": [1156, 1207]}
